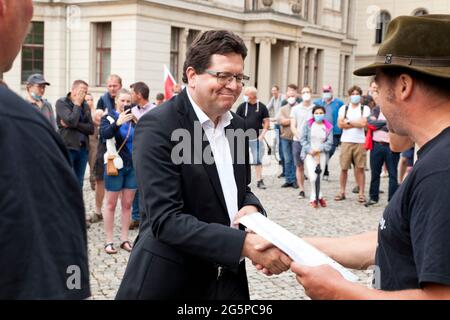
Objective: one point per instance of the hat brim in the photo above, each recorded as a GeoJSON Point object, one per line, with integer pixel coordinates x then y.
{"type": "Point", "coordinates": [371, 70]}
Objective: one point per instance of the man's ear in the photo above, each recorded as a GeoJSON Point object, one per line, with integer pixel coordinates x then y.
{"type": "Point", "coordinates": [191, 77]}
{"type": "Point", "coordinates": [406, 83]}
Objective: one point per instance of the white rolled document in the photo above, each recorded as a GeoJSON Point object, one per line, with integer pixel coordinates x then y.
{"type": "Point", "coordinates": [299, 250]}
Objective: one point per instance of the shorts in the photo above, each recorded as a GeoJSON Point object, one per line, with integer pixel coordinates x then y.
{"type": "Point", "coordinates": [353, 153]}
{"type": "Point", "coordinates": [125, 180]}
{"type": "Point", "coordinates": [409, 155]}
{"type": "Point", "coordinates": [257, 152]}
{"type": "Point", "coordinates": [296, 153]}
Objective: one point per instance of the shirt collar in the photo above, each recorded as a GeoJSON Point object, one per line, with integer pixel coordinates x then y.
{"type": "Point", "coordinates": [224, 121]}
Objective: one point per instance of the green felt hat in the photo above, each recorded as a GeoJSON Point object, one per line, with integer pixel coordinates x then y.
{"type": "Point", "coordinates": [417, 43]}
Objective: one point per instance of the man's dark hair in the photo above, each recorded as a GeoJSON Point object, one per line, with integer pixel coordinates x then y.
{"type": "Point", "coordinates": [317, 108]}
{"type": "Point", "coordinates": [160, 96]}
{"type": "Point", "coordinates": [355, 88]}
{"type": "Point", "coordinates": [76, 83]}
{"type": "Point", "coordinates": [293, 86]}
{"type": "Point", "coordinates": [142, 89]}
{"type": "Point", "coordinates": [436, 85]}
{"type": "Point", "coordinates": [209, 43]}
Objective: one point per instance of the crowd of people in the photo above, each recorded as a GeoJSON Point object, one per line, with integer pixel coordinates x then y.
{"type": "Point", "coordinates": [309, 131]}
{"type": "Point", "coordinates": [191, 244]}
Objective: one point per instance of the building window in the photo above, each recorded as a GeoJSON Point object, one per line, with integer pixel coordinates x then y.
{"type": "Point", "coordinates": [191, 36]}
{"type": "Point", "coordinates": [420, 12]}
{"type": "Point", "coordinates": [306, 69]}
{"type": "Point", "coordinates": [317, 62]}
{"type": "Point", "coordinates": [174, 51]}
{"type": "Point", "coordinates": [383, 20]}
{"type": "Point", "coordinates": [103, 53]}
{"type": "Point", "coordinates": [33, 51]}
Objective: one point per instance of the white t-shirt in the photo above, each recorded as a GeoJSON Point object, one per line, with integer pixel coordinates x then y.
{"type": "Point", "coordinates": [301, 114]}
{"type": "Point", "coordinates": [354, 135]}
{"type": "Point", "coordinates": [318, 135]}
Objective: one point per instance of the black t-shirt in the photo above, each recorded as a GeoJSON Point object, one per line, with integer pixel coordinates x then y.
{"type": "Point", "coordinates": [43, 245]}
{"type": "Point", "coordinates": [253, 114]}
{"type": "Point", "coordinates": [414, 233]}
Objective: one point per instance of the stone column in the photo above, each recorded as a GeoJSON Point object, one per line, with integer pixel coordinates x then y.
{"type": "Point", "coordinates": [182, 52]}
{"type": "Point", "coordinates": [293, 66]}
{"type": "Point", "coordinates": [264, 76]}
{"type": "Point", "coordinates": [249, 63]}
{"type": "Point", "coordinates": [341, 77]}
{"type": "Point", "coordinates": [301, 78]}
{"type": "Point", "coordinates": [312, 58]}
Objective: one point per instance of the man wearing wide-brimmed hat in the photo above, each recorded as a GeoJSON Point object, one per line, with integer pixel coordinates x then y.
{"type": "Point", "coordinates": [411, 249]}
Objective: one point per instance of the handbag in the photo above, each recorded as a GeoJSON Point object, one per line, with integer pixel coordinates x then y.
{"type": "Point", "coordinates": [112, 165]}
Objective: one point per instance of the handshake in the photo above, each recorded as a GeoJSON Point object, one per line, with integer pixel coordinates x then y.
{"type": "Point", "coordinates": [263, 254]}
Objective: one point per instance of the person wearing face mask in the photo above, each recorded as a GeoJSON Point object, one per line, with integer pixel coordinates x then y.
{"type": "Point", "coordinates": [287, 137]}
{"type": "Point", "coordinates": [353, 120]}
{"type": "Point", "coordinates": [317, 141]}
{"type": "Point", "coordinates": [332, 106]}
{"type": "Point", "coordinates": [35, 95]}
{"type": "Point", "coordinates": [300, 114]}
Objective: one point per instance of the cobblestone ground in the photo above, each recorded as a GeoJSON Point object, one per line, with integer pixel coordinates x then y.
{"type": "Point", "coordinates": [338, 219]}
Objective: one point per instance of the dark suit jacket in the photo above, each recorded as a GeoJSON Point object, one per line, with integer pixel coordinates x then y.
{"type": "Point", "coordinates": [185, 232]}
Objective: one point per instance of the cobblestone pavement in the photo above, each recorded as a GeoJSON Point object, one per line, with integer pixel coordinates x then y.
{"type": "Point", "coordinates": [338, 219]}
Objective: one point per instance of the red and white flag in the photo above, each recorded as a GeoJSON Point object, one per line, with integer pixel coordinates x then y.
{"type": "Point", "coordinates": [169, 82]}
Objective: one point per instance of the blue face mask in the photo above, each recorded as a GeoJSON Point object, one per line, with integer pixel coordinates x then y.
{"type": "Point", "coordinates": [36, 97]}
{"type": "Point", "coordinates": [327, 95]}
{"type": "Point", "coordinates": [319, 117]}
{"type": "Point", "coordinates": [355, 99]}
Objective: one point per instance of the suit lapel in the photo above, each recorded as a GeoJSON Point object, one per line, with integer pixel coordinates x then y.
{"type": "Point", "coordinates": [188, 121]}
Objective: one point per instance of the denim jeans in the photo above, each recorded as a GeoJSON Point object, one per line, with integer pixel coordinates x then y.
{"type": "Point", "coordinates": [79, 161]}
{"type": "Point", "coordinates": [289, 166]}
{"type": "Point", "coordinates": [380, 154]}
{"type": "Point", "coordinates": [135, 214]}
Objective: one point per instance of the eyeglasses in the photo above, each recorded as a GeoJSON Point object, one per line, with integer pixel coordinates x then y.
{"type": "Point", "coordinates": [225, 78]}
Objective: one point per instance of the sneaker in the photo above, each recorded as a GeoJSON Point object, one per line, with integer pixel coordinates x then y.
{"type": "Point", "coordinates": [286, 185]}
{"type": "Point", "coordinates": [323, 203]}
{"type": "Point", "coordinates": [295, 185]}
{"type": "Point", "coordinates": [260, 184]}
{"type": "Point", "coordinates": [314, 204]}
{"type": "Point", "coordinates": [370, 203]}
{"type": "Point", "coordinates": [134, 225]}
{"type": "Point", "coordinates": [355, 189]}
{"type": "Point", "coordinates": [306, 178]}
{"type": "Point", "coordinates": [302, 195]}
{"type": "Point", "coordinates": [326, 178]}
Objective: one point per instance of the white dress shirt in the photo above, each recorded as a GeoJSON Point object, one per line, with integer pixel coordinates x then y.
{"type": "Point", "coordinates": [222, 156]}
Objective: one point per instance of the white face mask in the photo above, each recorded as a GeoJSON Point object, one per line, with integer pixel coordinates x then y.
{"type": "Point", "coordinates": [291, 100]}
{"type": "Point", "coordinates": [245, 98]}
{"type": "Point", "coordinates": [306, 96]}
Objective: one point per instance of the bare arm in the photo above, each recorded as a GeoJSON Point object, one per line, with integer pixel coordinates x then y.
{"type": "Point", "coordinates": [355, 252]}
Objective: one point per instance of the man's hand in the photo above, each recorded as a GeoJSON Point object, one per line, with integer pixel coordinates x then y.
{"type": "Point", "coordinates": [273, 260]}
{"type": "Point", "coordinates": [63, 124]}
{"type": "Point", "coordinates": [243, 212]}
{"type": "Point", "coordinates": [78, 97]}
{"type": "Point", "coordinates": [320, 283]}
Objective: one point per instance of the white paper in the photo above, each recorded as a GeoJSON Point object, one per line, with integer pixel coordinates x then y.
{"type": "Point", "coordinates": [299, 250]}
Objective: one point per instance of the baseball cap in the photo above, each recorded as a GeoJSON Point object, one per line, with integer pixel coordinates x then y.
{"type": "Point", "coordinates": [327, 88]}
{"type": "Point", "coordinates": [37, 78]}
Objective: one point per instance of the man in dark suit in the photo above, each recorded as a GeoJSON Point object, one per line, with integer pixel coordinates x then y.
{"type": "Point", "coordinates": [190, 245]}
